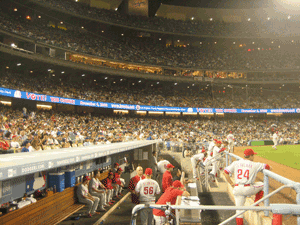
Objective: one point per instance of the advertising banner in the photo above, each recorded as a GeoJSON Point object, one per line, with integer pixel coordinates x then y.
{"type": "Point", "coordinates": [108, 105]}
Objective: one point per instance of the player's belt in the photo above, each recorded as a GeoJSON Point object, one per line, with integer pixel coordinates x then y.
{"type": "Point", "coordinates": [245, 185]}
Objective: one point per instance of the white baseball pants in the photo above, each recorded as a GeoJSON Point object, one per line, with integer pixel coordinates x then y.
{"type": "Point", "coordinates": [92, 205]}
{"type": "Point", "coordinates": [160, 220]}
{"type": "Point", "coordinates": [241, 192]}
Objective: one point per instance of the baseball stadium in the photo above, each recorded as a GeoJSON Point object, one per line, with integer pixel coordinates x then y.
{"type": "Point", "coordinates": [149, 112]}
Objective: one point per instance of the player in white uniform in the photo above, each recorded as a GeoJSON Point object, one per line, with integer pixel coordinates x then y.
{"type": "Point", "coordinates": [275, 140]}
{"type": "Point", "coordinates": [96, 189]}
{"type": "Point", "coordinates": [195, 161]}
{"type": "Point", "coordinates": [210, 150]}
{"type": "Point", "coordinates": [147, 189]}
{"type": "Point", "coordinates": [216, 153]}
{"type": "Point", "coordinates": [162, 166]}
{"type": "Point", "coordinates": [230, 140]}
{"type": "Point", "coordinates": [245, 172]}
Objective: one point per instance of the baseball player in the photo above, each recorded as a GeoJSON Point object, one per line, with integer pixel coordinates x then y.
{"type": "Point", "coordinates": [119, 185]}
{"type": "Point", "coordinates": [147, 189]}
{"type": "Point", "coordinates": [108, 184]}
{"type": "Point", "coordinates": [94, 189]}
{"type": "Point", "coordinates": [170, 195]}
{"type": "Point", "coordinates": [195, 161]}
{"type": "Point", "coordinates": [85, 197]}
{"type": "Point", "coordinates": [216, 153]}
{"type": "Point", "coordinates": [133, 182]}
{"type": "Point", "coordinates": [167, 177]}
{"type": "Point", "coordinates": [211, 145]}
{"type": "Point", "coordinates": [230, 140]}
{"type": "Point", "coordinates": [161, 169]}
{"type": "Point", "coordinates": [245, 172]}
{"type": "Point", "coordinates": [275, 140]}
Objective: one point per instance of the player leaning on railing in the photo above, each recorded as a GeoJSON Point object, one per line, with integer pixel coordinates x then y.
{"type": "Point", "coordinates": [245, 172]}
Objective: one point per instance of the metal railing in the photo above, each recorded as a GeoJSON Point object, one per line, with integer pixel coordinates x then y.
{"type": "Point", "coordinates": [283, 209]}
{"type": "Point", "coordinates": [269, 174]}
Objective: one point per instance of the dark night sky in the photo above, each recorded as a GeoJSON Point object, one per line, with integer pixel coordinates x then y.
{"type": "Point", "coordinates": [245, 4]}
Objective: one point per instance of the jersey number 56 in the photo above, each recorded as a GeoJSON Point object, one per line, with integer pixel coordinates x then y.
{"type": "Point", "coordinates": [148, 190]}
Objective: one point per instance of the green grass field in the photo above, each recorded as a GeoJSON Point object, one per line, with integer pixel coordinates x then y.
{"type": "Point", "coordinates": [288, 155]}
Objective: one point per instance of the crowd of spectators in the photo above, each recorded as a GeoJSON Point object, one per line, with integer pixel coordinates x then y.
{"type": "Point", "coordinates": [34, 131]}
{"type": "Point", "coordinates": [130, 50]}
{"type": "Point", "coordinates": [151, 95]}
{"type": "Point", "coordinates": [273, 28]}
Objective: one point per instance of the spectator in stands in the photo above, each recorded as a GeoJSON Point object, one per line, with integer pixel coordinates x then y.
{"type": "Point", "coordinates": [133, 182]}
{"type": "Point", "coordinates": [26, 147]}
{"type": "Point", "coordinates": [95, 190]}
{"type": "Point", "coordinates": [170, 195]}
{"type": "Point", "coordinates": [85, 197]}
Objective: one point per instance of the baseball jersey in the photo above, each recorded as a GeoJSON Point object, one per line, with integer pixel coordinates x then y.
{"type": "Point", "coordinates": [131, 186]}
{"type": "Point", "coordinates": [211, 146]}
{"type": "Point", "coordinates": [82, 190]}
{"type": "Point", "coordinates": [245, 171]}
{"type": "Point", "coordinates": [167, 180]}
{"type": "Point", "coordinates": [169, 196]}
{"type": "Point", "coordinates": [147, 188]}
{"type": "Point", "coordinates": [107, 183]}
{"type": "Point", "coordinates": [162, 165]}
{"type": "Point", "coordinates": [198, 157]}
{"type": "Point", "coordinates": [230, 138]}
{"type": "Point", "coordinates": [117, 179]}
{"type": "Point", "coordinates": [216, 151]}
{"type": "Point", "coordinates": [275, 137]}
{"type": "Point", "coordinates": [94, 183]}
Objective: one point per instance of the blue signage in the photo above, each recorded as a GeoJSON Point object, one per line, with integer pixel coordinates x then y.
{"type": "Point", "coordinates": [108, 105]}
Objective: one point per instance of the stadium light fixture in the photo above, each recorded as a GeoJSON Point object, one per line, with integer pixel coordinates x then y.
{"type": "Point", "coordinates": [19, 64]}
{"type": "Point", "coordinates": [114, 82]}
{"type": "Point", "coordinates": [95, 80]}
{"type": "Point", "coordinates": [116, 9]}
{"type": "Point", "coordinates": [39, 17]}
{"type": "Point", "coordinates": [62, 72]}
{"type": "Point", "coordinates": [178, 40]}
{"type": "Point", "coordinates": [76, 0]}
{"type": "Point", "coordinates": [13, 45]}
{"type": "Point", "coordinates": [188, 86]}
{"type": "Point", "coordinates": [193, 84]}
{"type": "Point", "coordinates": [61, 22]}
{"type": "Point", "coordinates": [122, 34]}
{"type": "Point", "coordinates": [83, 75]}
{"type": "Point", "coordinates": [200, 42]}
{"type": "Point", "coordinates": [268, 18]}
{"type": "Point", "coordinates": [151, 85]}
{"type": "Point", "coordinates": [49, 70]}
{"type": "Point", "coordinates": [82, 27]}
{"type": "Point", "coordinates": [121, 79]}
{"type": "Point", "coordinates": [272, 42]}
{"type": "Point", "coordinates": [140, 81]}
{"type": "Point", "coordinates": [249, 19]}
{"type": "Point", "coordinates": [253, 42]}
{"type": "Point", "coordinates": [28, 17]}
{"type": "Point", "coordinates": [31, 71]}
{"type": "Point", "coordinates": [215, 42]}
{"type": "Point", "coordinates": [211, 19]}
{"type": "Point", "coordinates": [15, 9]}
{"type": "Point", "coordinates": [53, 75]}
{"type": "Point", "coordinates": [289, 17]}
{"type": "Point", "coordinates": [132, 83]}
{"type": "Point", "coordinates": [192, 18]}
{"type": "Point", "coordinates": [105, 78]}
{"type": "Point", "coordinates": [159, 39]}
{"type": "Point", "coordinates": [7, 67]}
{"type": "Point", "coordinates": [157, 82]}
{"type": "Point", "coordinates": [234, 42]}
{"type": "Point", "coordinates": [103, 31]}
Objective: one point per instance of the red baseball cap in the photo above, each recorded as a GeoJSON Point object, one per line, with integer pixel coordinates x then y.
{"type": "Point", "coordinates": [230, 132]}
{"type": "Point", "coordinates": [119, 169]}
{"type": "Point", "coordinates": [215, 139]}
{"type": "Point", "coordinates": [170, 166]}
{"type": "Point", "coordinates": [249, 152]}
{"type": "Point", "coordinates": [203, 150]}
{"type": "Point", "coordinates": [177, 184]}
{"type": "Point", "coordinates": [86, 178]}
{"type": "Point", "coordinates": [117, 164]}
{"type": "Point", "coordinates": [110, 173]}
{"type": "Point", "coordinates": [219, 142]}
{"type": "Point", "coordinates": [148, 171]}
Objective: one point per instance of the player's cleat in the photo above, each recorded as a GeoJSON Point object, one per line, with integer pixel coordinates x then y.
{"type": "Point", "coordinates": [113, 201]}
{"type": "Point", "coordinates": [101, 210]}
{"type": "Point", "coordinates": [110, 203]}
{"type": "Point", "coordinates": [89, 215]}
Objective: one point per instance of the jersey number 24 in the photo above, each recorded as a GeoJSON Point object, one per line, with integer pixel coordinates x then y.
{"type": "Point", "coordinates": [148, 190]}
{"type": "Point", "coordinates": [240, 174]}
